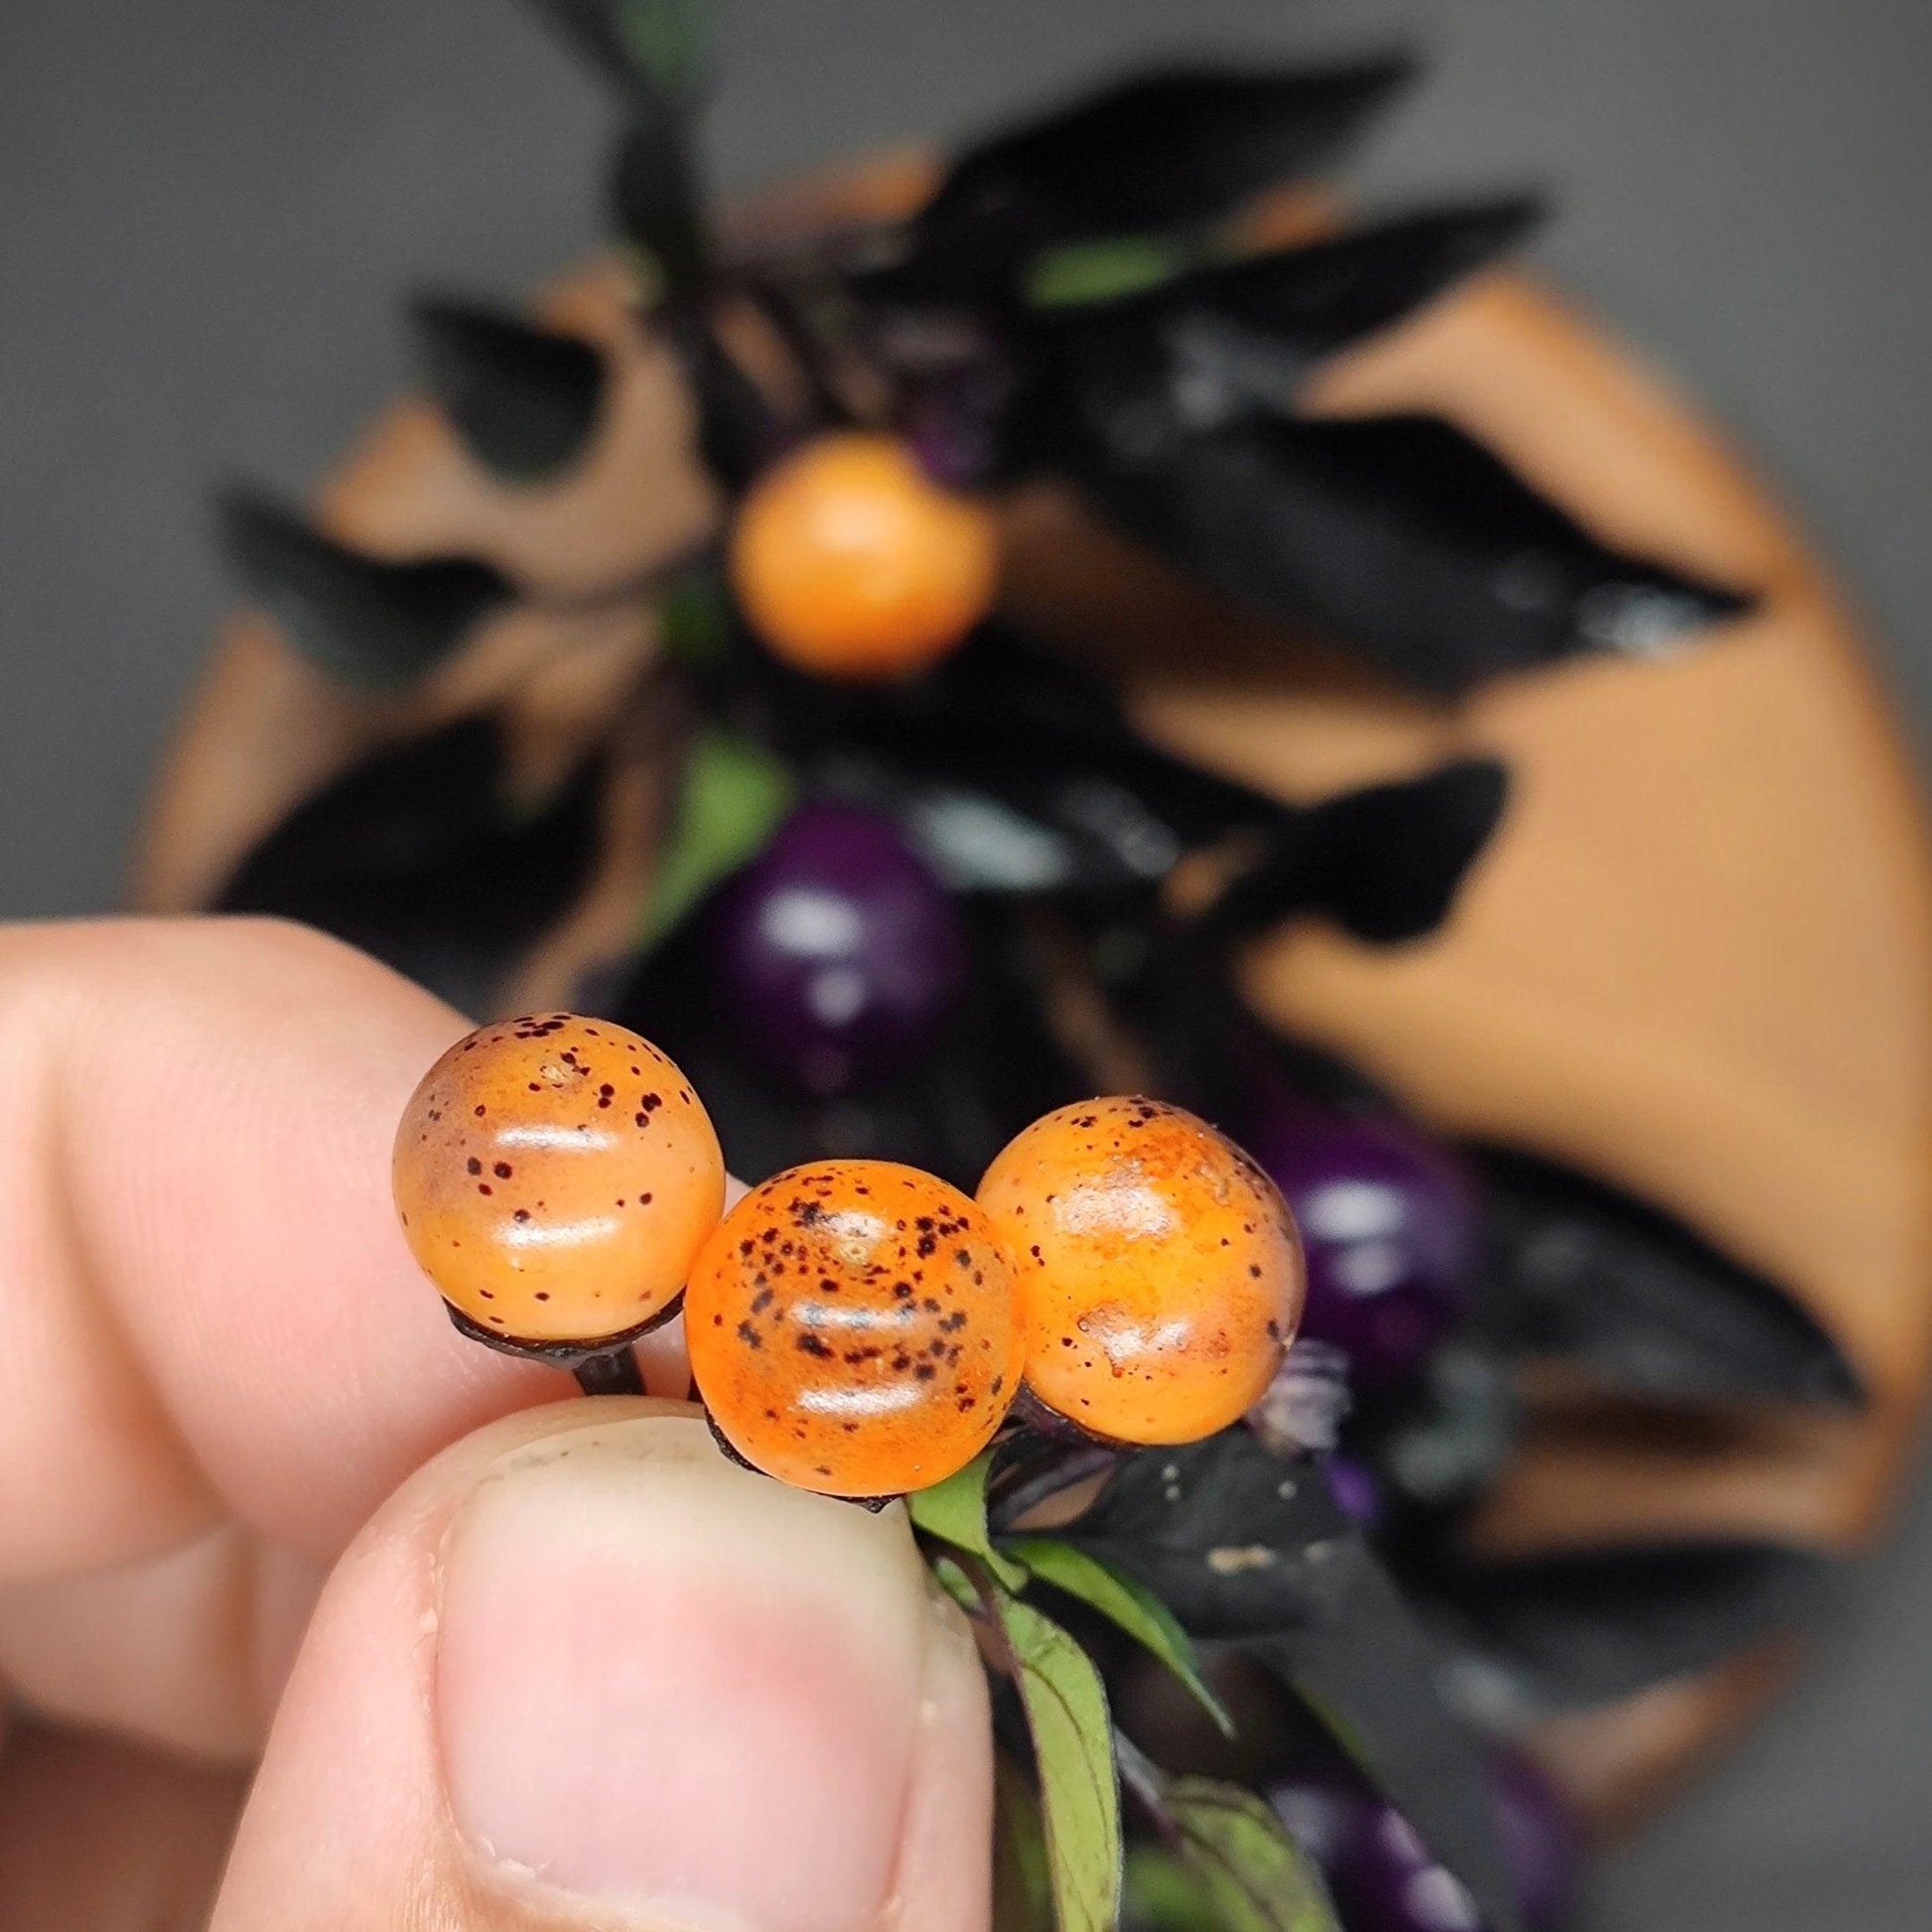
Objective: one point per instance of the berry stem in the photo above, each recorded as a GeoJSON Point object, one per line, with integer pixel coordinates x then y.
{"type": "Point", "coordinates": [613, 1373]}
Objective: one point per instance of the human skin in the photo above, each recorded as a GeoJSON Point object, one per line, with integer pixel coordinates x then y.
{"type": "Point", "coordinates": [496, 1660]}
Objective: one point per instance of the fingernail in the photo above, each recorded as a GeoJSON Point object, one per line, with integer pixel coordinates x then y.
{"type": "Point", "coordinates": [677, 1688]}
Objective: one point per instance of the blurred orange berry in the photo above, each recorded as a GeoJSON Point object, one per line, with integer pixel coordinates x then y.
{"type": "Point", "coordinates": [849, 563]}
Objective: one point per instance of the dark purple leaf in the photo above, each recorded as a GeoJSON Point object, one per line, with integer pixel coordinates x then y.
{"type": "Point", "coordinates": [1386, 862]}
{"type": "Point", "coordinates": [1579, 1271]}
{"type": "Point", "coordinates": [1306, 302]}
{"type": "Point", "coordinates": [655, 199]}
{"type": "Point", "coordinates": [737, 434]}
{"type": "Point", "coordinates": [1251, 1549]}
{"type": "Point", "coordinates": [1167, 149]}
{"type": "Point", "coordinates": [648, 47]}
{"type": "Point", "coordinates": [1398, 536]}
{"type": "Point", "coordinates": [419, 856]}
{"type": "Point", "coordinates": [373, 624]}
{"type": "Point", "coordinates": [1596, 1625]}
{"type": "Point", "coordinates": [523, 399]}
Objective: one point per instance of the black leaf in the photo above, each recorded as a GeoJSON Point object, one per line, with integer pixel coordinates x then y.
{"type": "Point", "coordinates": [1019, 772]}
{"type": "Point", "coordinates": [1013, 750]}
{"type": "Point", "coordinates": [1373, 1676]}
{"type": "Point", "coordinates": [646, 48]}
{"type": "Point", "coordinates": [593, 27]}
{"type": "Point", "coordinates": [1386, 862]}
{"type": "Point", "coordinates": [1309, 301]}
{"type": "Point", "coordinates": [374, 625]}
{"type": "Point", "coordinates": [523, 399]}
{"type": "Point", "coordinates": [1160, 150]}
{"type": "Point", "coordinates": [417, 856]}
{"type": "Point", "coordinates": [737, 434]}
{"type": "Point", "coordinates": [1251, 1549]}
{"type": "Point", "coordinates": [1235, 1541]}
{"type": "Point", "coordinates": [1396, 536]}
{"type": "Point", "coordinates": [1588, 1628]}
{"type": "Point", "coordinates": [1580, 1270]}
{"type": "Point", "coordinates": [1445, 1437]}
{"type": "Point", "coordinates": [655, 199]}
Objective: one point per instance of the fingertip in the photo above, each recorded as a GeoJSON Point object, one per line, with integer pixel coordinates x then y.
{"type": "Point", "coordinates": [585, 1668]}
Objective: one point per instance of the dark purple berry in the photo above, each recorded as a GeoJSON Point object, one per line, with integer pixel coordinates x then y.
{"type": "Point", "coordinates": [1385, 1881]}
{"type": "Point", "coordinates": [1389, 1226]}
{"type": "Point", "coordinates": [839, 955]}
{"type": "Point", "coordinates": [1356, 1489]}
{"type": "Point", "coordinates": [1539, 1839]}
{"type": "Point", "coordinates": [1384, 1878]}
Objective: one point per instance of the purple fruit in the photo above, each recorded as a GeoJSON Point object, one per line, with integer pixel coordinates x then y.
{"type": "Point", "coordinates": [1389, 1226]}
{"type": "Point", "coordinates": [839, 955]}
{"type": "Point", "coordinates": [1325, 1811]}
{"type": "Point", "coordinates": [1385, 1881]}
{"type": "Point", "coordinates": [1540, 1840]}
{"type": "Point", "coordinates": [1357, 1488]}
{"type": "Point", "coordinates": [1383, 1876]}
{"type": "Point", "coordinates": [1380, 1872]}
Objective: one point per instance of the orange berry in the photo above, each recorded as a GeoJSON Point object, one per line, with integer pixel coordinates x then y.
{"type": "Point", "coordinates": [1159, 1274]}
{"type": "Point", "coordinates": [852, 1329]}
{"type": "Point", "coordinates": [555, 1176]}
{"type": "Point", "coordinates": [849, 563]}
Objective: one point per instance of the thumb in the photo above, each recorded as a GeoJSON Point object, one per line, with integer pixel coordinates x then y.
{"type": "Point", "coordinates": [583, 1670]}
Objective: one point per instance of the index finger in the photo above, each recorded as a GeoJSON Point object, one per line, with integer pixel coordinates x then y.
{"type": "Point", "coordinates": [209, 1307]}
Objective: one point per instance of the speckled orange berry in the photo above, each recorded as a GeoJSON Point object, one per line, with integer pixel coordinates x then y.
{"type": "Point", "coordinates": [555, 1176]}
{"type": "Point", "coordinates": [852, 1330]}
{"type": "Point", "coordinates": [851, 564]}
{"type": "Point", "coordinates": [1159, 1273]}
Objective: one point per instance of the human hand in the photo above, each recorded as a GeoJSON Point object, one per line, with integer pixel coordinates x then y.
{"type": "Point", "coordinates": [576, 1670]}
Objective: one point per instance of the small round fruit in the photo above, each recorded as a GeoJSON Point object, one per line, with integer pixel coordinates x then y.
{"type": "Point", "coordinates": [839, 953]}
{"type": "Point", "coordinates": [1355, 1488]}
{"type": "Point", "coordinates": [1389, 1226]}
{"type": "Point", "coordinates": [555, 1175]}
{"type": "Point", "coordinates": [849, 563]}
{"type": "Point", "coordinates": [852, 1329]}
{"type": "Point", "coordinates": [1542, 1841]}
{"type": "Point", "coordinates": [1158, 1276]}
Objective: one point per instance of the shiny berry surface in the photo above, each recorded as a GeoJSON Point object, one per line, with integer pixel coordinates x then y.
{"type": "Point", "coordinates": [1385, 1879]}
{"type": "Point", "coordinates": [1389, 1228]}
{"type": "Point", "coordinates": [1356, 1489]}
{"type": "Point", "coordinates": [850, 562]}
{"type": "Point", "coordinates": [1158, 1277]}
{"type": "Point", "coordinates": [853, 1329]}
{"type": "Point", "coordinates": [1540, 1837]}
{"type": "Point", "coordinates": [839, 953]}
{"type": "Point", "coordinates": [555, 1176]}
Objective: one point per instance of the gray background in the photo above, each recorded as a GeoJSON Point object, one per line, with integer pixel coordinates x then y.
{"type": "Point", "coordinates": [208, 207]}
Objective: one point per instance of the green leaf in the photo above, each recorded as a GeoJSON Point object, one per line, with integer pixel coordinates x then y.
{"type": "Point", "coordinates": [1126, 1604]}
{"type": "Point", "coordinates": [732, 801]}
{"type": "Point", "coordinates": [1101, 271]}
{"type": "Point", "coordinates": [1023, 1897]}
{"type": "Point", "coordinates": [957, 1585]}
{"type": "Point", "coordinates": [1164, 1895]}
{"type": "Point", "coordinates": [1258, 1878]}
{"type": "Point", "coordinates": [954, 1511]}
{"type": "Point", "coordinates": [1073, 1754]}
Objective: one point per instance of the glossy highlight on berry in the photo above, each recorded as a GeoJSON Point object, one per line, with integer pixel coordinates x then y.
{"type": "Point", "coordinates": [850, 563]}
{"type": "Point", "coordinates": [853, 1330]}
{"type": "Point", "coordinates": [555, 1176]}
{"type": "Point", "coordinates": [839, 953]}
{"type": "Point", "coordinates": [1159, 1279]}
